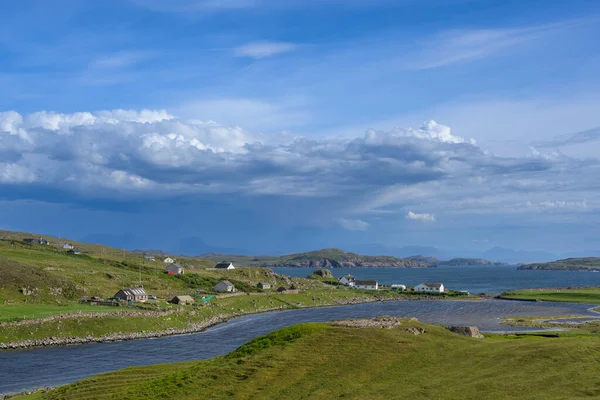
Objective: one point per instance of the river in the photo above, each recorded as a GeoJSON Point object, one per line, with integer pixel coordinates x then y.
{"type": "Point", "coordinates": [34, 368]}
{"type": "Point", "coordinates": [474, 278]}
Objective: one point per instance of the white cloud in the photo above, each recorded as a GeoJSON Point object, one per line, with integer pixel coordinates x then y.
{"type": "Point", "coordinates": [451, 47]}
{"type": "Point", "coordinates": [420, 217]}
{"type": "Point", "coordinates": [263, 49]}
{"type": "Point", "coordinates": [353, 224]}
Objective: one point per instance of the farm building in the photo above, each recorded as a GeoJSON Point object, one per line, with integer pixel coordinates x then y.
{"type": "Point", "coordinates": [183, 300]}
{"type": "Point", "coordinates": [168, 260]}
{"type": "Point", "coordinates": [225, 287]}
{"type": "Point", "coordinates": [369, 285]}
{"type": "Point", "coordinates": [347, 280]}
{"type": "Point", "coordinates": [132, 294]}
{"type": "Point", "coordinates": [264, 285]}
{"type": "Point", "coordinates": [396, 286]}
{"type": "Point", "coordinates": [74, 251]}
{"type": "Point", "coordinates": [429, 287]}
{"type": "Point", "coordinates": [149, 258]}
{"type": "Point", "coordinates": [174, 269]}
{"type": "Point", "coordinates": [68, 246]}
{"type": "Point", "coordinates": [224, 265]}
{"type": "Point", "coordinates": [36, 241]}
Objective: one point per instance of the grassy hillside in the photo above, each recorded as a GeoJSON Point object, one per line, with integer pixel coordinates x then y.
{"type": "Point", "coordinates": [38, 281]}
{"type": "Point", "coordinates": [325, 361]}
{"type": "Point", "coordinates": [589, 295]}
{"type": "Point", "coordinates": [568, 264]}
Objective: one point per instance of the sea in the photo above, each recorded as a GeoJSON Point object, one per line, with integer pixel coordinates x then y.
{"type": "Point", "coordinates": [472, 278]}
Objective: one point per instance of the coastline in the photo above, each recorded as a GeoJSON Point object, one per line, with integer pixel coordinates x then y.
{"type": "Point", "coordinates": [194, 327]}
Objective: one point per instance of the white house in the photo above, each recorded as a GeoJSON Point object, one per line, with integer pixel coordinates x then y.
{"type": "Point", "coordinates": [369, 285]}
{"type": "Point", "coordinates": [224, 287]}
{"type": "Point", "coordinates": [68, 246]}
{"type": "Point", "coordinates": [429, 287]}
{"type": "Point", "coordinates": [396, 286]}
{"type": "Point", "coordinates": [224, 265]}
{"type": "Point", "coordinates": [174, 269]}
{"type": "Point", "coordinates": [169, 260]}
{"type": "Point", "coordinates": [347, 280]}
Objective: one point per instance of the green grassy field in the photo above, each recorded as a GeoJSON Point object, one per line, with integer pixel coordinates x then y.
{"type": "Point", "coordinates": [322, 361]}
{"type": "Point", "coordinates": [589, 295]}
{"type": "Point", "coordinates": [12, 312]}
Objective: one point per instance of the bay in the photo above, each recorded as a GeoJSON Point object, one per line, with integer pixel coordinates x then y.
{"type": "Point", "coordinates": [473, 278]}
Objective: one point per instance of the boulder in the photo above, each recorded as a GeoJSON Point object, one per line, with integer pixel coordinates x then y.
{"type": "Point", "coordinates": [325, 273]}
{"type": "Point", "coordinates": [471, 331]}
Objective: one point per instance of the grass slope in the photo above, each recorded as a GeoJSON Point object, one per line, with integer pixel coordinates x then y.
{"type": "Point", "coordinates": [322, 361]}
{"type": "Point", "coordinates": [590, 295]}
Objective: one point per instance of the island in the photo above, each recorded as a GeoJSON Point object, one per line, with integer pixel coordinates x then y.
{"type": "Point", "coordinates": [590, 264]}
{"type": "Point", "coordinates": [434, 262]}
{"type": "Point", "coordinates": [325, 258]}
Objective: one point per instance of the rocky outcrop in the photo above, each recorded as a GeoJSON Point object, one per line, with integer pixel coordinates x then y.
{"type": "Point", "coordinates": [324, 273]}
{"type": "Point", "coordinates": [471, 331]}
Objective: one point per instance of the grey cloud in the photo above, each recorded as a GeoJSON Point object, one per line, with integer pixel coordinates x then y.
{"type": "Point", "coordinates": [142, 153]}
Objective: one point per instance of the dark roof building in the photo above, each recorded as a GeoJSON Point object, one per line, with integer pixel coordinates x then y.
{"type": "Point", "coordinates": [132, 294]}
{"type": "Point", "coordinates": [224, 265]}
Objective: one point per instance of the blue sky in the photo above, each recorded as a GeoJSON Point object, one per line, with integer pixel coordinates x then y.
{"type": "Point", "coordinates": [267, 126]}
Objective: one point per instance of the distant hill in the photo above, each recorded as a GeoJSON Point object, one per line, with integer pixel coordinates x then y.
{"type": "Point", "coordinates": [568, 264]}
{"type": "Point", "coordinates": [470, 261]}
{"type": "Point", "coordinates": [433, 261]}
{"type": "Point", "coordinates": [325, 258]}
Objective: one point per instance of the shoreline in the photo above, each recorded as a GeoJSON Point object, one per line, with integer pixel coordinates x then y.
{"type": "Point", "coordinates": [193, 328]}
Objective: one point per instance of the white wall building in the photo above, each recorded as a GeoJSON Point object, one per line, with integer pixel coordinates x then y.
{"type": "Point", "coordinates": [429, 287]}
{"type": "Point", "coordinates": [368, 285]}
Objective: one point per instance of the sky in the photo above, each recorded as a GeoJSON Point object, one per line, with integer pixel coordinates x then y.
{"type": "Point", "coordinates": [271, 127]}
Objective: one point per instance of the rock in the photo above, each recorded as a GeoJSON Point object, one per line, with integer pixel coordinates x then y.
{"type": "Point", "coordinates": [380, 322]}
{"type": "Point", "coordinates": [415, 331]}
{"type": "Point", "coordinates": [471, 331]}
{"type": "Point", "coordinates": [325, 273]}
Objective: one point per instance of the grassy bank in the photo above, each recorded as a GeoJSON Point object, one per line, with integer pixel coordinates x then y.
{"type": "Point", "coordinates": [100, 325]}
{"type": "Point", "coordinates": [323, 361]}
{"type": "Point", "coordinates": [590, 295]}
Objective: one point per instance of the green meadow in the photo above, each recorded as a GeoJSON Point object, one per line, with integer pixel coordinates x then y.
{"type": "Point", "coordinates": [323, 361]}
{"type": "Point", "coordinates": [589, 295]}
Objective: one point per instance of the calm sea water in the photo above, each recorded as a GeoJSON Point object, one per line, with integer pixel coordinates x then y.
{"type": "Point", "coordinates": [30, 369]}
{"type": "Point", "coordinates": [474, 278]}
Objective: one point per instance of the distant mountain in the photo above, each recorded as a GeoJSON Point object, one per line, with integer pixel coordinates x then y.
{"type": "Point", "coordinates": [568, 264]}
{"type": "Point", "coordinates": [325, 258]}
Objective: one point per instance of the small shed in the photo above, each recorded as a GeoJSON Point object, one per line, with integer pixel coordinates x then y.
{"type": "Point", "coordinates": [183, 300]}
{"type": "Point", "coordinates": [224, 287]}
{"type": "Point", "coordinates": [224, 265]}
{"type": "Point", "coordinates": [397, 286]}
{"type": "Point", "coordinates": [169, 260]}
{"type": "Point", "coordinates": [264, 285]}
{"type": "Point", "coordinates": [74, 251]}
{"type": "Point", "coordinates": [282, 289]}
{"type": "Point", "coordinates": [174, 269]}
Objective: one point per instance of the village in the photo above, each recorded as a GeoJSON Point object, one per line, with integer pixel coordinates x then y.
{"type": "Point", "coordinates": [224, 287]}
